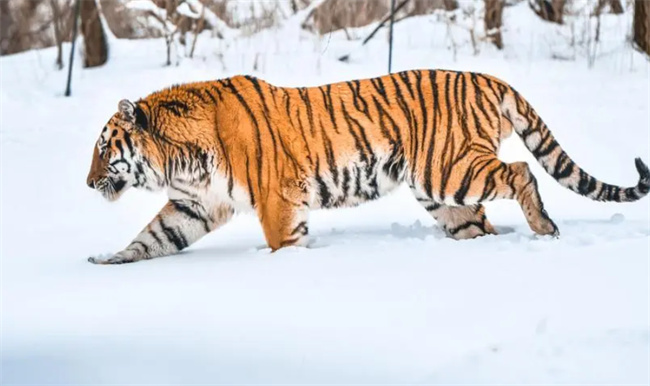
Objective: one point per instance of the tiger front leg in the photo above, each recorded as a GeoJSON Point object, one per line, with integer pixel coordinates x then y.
{"type": "Point", "coordinates": [179, 224]}
{"type": "Point", "coordinates": [284, 216]}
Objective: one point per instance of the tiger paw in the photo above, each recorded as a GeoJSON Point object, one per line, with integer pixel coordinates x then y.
{"type": "Point", "coordinates": [118, 258]}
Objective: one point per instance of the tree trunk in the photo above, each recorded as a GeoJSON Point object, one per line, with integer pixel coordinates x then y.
{"type": "Point", "coordinates": [16, 26]}
{"type": "Point", "coordinates": [615, 7]}
{"type": "Point", "coordinates": [641, 33]}
{"type": "Point", "coordinates": [199, 27]}
{"type": "Point", "coordinates": [549, 10]}
{"type": "Point", "coordinates": [450, 5]}
{"type": "Point", "coordinates": [6, 28]}
{"type": "Point", "coordinates": [95, 44]}
{"type": "Point", "coordinates": [170, 8]}
{"type": "Point", "coordinates": [493, 21]}
{"type": "Point", "coordinates": [56, 23]}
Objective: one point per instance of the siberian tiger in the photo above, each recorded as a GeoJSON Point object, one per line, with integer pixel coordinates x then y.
{"type": "Point", "coordinates": [242, 144]}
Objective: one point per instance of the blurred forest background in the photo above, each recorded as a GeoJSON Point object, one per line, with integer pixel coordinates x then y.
{"type": "Point", "coordinates": [33, 24]}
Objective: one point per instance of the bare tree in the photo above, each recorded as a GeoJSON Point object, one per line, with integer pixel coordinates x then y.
{"type": "Point", "coordinates": [385, 20]}
{"type": "Point", "coordinates": [641, 27]}
{"type": "Point", "coordinates": [95, 43]}
{"type": "Point", "coordinates": [57, 21]}
{"type": "Point", "coordinates": [17, 27]}
{"type": "Point", "coordinates": [197, 30]}
{"type": "Point", "coordinates": [333, 15]}
{"type": "Point", "coordinates": [7, 25]}
{"type": "Point", "coordinates": [615, 7]}
{"type": "Point", "coordinates": [549, 10]}
{"type": "Point", "coordinates": [165, 12]}
{"type": "Point", "coordinates": [450, 5]}
{"type": "Point", "coordinates": [493, 21]}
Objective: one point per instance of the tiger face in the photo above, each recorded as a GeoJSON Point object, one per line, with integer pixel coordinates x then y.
{"type": "Point", "coordinates": [118, 161]}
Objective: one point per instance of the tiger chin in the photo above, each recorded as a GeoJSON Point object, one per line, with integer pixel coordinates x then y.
{"type": "Point", "coordinates": [242, 144]}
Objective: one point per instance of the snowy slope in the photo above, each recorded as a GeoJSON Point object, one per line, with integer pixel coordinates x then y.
{"type": "Point", "coordinates": [381, 297]}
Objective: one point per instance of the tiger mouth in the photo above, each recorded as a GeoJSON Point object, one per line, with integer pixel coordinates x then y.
{"type": "Point", "coordinates": [111, 188]}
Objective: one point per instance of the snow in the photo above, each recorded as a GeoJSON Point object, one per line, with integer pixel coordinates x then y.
{"type": "Point", "coordinates": [184, 9]}
{"type": "Point", "coordinates": [143, 5]}
{"type": "Point", "coordinates": [381, 296]}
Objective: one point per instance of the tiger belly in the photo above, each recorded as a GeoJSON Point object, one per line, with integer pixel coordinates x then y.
{"type": "Point", "coordinates": [357, 181]}
{"type": "Point", "coordinates": [223, 190]}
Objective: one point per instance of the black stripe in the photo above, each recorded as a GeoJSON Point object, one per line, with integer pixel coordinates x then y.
{"type": "Point", "coordinates": [432, 207]}
{"type": "Point", "coordinates": [459, 197]}
{"type": "Point", "coordinates": [212, 98]}
{"type": "Point", "coordinates": [382, 125]}
{"type": "Point", "coordinates": [155, 236]}
{"type": "Point", "coordinates": [144, 246]}
{"type": "Point", "coordinates": [418, 86]}
{"type": "Point", "coordinates": [491, 105]}
{"type": "Point", "coordinates": [310, 116]}
{"type": "Point", "coordinates": [561, 172]}
{"type": "Point", "coordinates": [466, 225]}
{"type": "Point", "coordinates": [175, 238]}
{"type": "Point", "coordinates": [539, 152]}
{"type": "Point", "coordinates": [394, 165]}
{"type": "Point", "coordinates": [359, 103]}
{"type": "Point", "coordinates": [345, 186]}
{"type": "Point", "coordinates": [395, 129]}
{"type": "Point", "coordinates": [479, 131]}
{"type": "Point", "coordinates": [196, 93]}
{"type": "Point", "coordinates": [260, 93]}
{"type": "Point", "coordinates": [357, 142]}
{"type": "Point", "coordinates": [404, 76]}
{"type": "Point", "coordinates": [368, 148]}
{"type": "Point", "coordinates": [175, 107]}
{"type": "Point", "coordinates": [128, 141]}
{"type": "Point", "coordinates": [301, 228]}
{"type": "Point", "coordinates": [323, 191]}
{"type": "Point", "coordinates": [226, 158]}
{"type": "Point", "coordinates": [327, 100]}
{"type": "Point", "coordinates": [258, 89]}
{"type": "Point", "coordinates": [490, 184]}
{"type": "Point", "coordinates": [118, 144]}
{"type": "Point", "coordinates": [216, 89]}
{"type": "Point", "coordinates": [428, 177]}
{"type": "Point", "coordinates": [378, 84]}
{"type": "Point", "coordinates": [258, 139]}
{"type": "Point", "coordinates": [407, 115]}
{"type": "Point", "coordinates": [331, 160]}
{"type": "Point", "coordinates": [189, 212]}
{"type": "Point", "coordinates": [461, 104]}
{"type": "Point", "coordinates": [587, 183]}
{"type": "Point", "coordinates": [248, 181]}
{"type": "Point", "coordinates": [449, 140]}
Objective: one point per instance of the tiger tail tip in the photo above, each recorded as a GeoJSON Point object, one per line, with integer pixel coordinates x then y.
{"type": "Point", "coordinates": [644, 175]}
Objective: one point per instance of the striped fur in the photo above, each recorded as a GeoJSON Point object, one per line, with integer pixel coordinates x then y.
{"type": "Point", "coordinates": [242, 144]}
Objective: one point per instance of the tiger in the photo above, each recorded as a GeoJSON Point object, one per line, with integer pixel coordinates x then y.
{"type": "Point", "coordinates": [241, 144]}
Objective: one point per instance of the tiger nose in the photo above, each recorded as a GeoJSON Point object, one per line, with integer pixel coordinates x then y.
{"type": "Point", "coordinates": [91, 183]}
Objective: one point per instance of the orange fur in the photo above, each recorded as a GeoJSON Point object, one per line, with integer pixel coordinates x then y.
{"type": "Point", "coordinates": [244, 143]}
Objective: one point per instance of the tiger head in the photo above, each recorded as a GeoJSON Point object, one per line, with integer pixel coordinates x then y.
{"type": "Point", "coordinates": [122, 156]}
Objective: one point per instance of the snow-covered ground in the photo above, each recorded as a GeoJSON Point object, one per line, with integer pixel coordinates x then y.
{"type": "Point", "coordinates": [382, 296]}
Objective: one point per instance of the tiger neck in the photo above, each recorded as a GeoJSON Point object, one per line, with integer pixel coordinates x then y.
{"type": "Point", "coordinates": [186, 166]}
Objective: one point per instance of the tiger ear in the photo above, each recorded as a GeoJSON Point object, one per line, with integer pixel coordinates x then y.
{"type": "Point", "coordinates": [133, 113]}
{"type": "Point", "coordinates": [127, 109]}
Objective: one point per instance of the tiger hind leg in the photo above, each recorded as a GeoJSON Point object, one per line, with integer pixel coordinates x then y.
{"type": "Point", "coordinates": [515, 181]}
{"type": "Point", "coordinates": [460, 222]}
